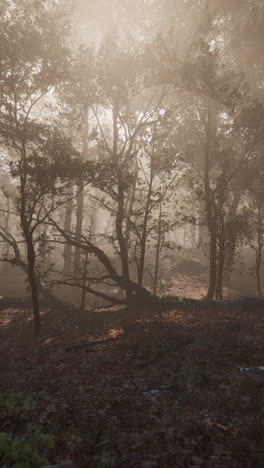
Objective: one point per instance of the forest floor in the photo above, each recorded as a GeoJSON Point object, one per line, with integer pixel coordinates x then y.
{"type": "Point", "coordinates": [157, 392]}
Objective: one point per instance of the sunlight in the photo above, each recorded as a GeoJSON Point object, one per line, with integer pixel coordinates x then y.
{"type": "Point", "coordinates": [131, 233]}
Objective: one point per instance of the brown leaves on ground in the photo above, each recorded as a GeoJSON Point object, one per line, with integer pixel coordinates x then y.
{"type": "Point", "coordinates": [150, 392]}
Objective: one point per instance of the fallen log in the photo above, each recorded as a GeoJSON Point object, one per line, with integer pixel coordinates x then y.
{"type": "Point", "coordinates": [95, 342]}
{"type": "Point", "coordinates": [26, 303]}
{"type": "Point", "coordinates": [163, 303]}
{"type": "Point", "coordinates": [241, 303]}
{"type": "Point", "coordinates": [15, 303]}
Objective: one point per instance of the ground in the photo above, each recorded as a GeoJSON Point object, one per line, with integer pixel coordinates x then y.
{"type": "Point", "coordinates": [156, 392]}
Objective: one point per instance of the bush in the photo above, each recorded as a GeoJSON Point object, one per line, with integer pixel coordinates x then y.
{"type": "Point", "coordinates": [22, 449]}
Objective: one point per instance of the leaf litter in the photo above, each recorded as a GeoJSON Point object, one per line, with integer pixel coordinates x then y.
{"type": "Point", "coordinates": [181, 390]}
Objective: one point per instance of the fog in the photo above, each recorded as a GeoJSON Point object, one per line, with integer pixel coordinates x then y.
{"type": "Point", "coordinates": [131, 233]}
{"type": "Point", "coordinates": [131, 136]}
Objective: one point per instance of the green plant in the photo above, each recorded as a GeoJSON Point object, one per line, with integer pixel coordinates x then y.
{"type": "Point", "coordinates": [23, 447]}
{"type": "Point", "coordinates": [14, 403]}
{"type": "Point", "coordinates": [95, 447]}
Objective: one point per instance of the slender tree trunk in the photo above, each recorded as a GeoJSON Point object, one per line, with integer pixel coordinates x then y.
{"type": "Point", "coordinates": [67, 254]}
{"type": "Point", "coordinates": [144, 233]}
{"type": "Point", "coordinates": [210, 212]}
{"type": "Point", "coordinates": [78, 230]}
{"type": "Point", "coordinates": [33, 285]}
{"type": "Point", "coordinates": [31, 258]}
{"type": "Point", "coordinates": [85, 267]}
{"type": "Point", "coordinates": [221, 238]}
{"type": "Point", "coordinates": [212, 266]}
{"type": "Point", "coordinates": [7, 224]}
{"type": "Point", "coordinates": [84, 280]}
{"type": "Point", "coordinates": [259, 253]}
{"type": "Point", "coordinates": [122, 242]}
{"type": "Point", "coordinates": [80, 196]}
{"type": "Point", "coordinates": [45, 239]}
{"type": "Point", "coordinates": [230, 255]}
{"type": "Point", "coordinates": [130, 203]}
{"type": "Point", "coordinates": [157, 257]}
{"type": "Point", "coordinates": [201, 227]}
{"type": "Point", "coordinates": [220, 272]}
{"type": "Point", "coordinates": [30, 248]}
{"type": "Point", "coordinates": [258, 275]}
{"type": "Point", "coordinates": [121, 208]}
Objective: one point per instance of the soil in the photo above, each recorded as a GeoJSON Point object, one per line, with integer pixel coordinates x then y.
{"type": "Point", "coordinates": [135, 390]}
{"type": "Point", "coordinates": [161, 392]}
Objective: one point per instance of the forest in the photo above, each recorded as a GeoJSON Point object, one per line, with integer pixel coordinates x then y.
{"type": "Point", "coordinates": [131, 233]}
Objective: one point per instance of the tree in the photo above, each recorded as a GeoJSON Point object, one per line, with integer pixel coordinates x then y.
{"type": "Point", "coordinates": [32, 60]}
{"type": "Point", "coordinates": [157, 182]}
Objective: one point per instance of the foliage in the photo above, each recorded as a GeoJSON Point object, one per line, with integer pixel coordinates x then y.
{"type": "Point", "coordinates": [153, 125]}
{"type": "Point", "coordinates": [22, 448]}
{"type": "Point", "coordinates": [195, 373]}
{"type": "Point", "coordinates": [95, 448]}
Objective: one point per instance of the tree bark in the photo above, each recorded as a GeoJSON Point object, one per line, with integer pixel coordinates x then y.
{"type": "Point", "coordinates": [212, 267]}
{"type": "Point", "coordinates": [31, 257]}
{"type": "Point", "coordinates": [130, 202]}
{"type": "Point", "coordinates": [157, 257]}
{"type": "Point", "coordinates": [258, 275]}
{"type": "Point", "coordinates": [84, 280]}
{"type": "Point", "coordinates": [78, 230]}
{"type": "Point", "coordinates": [80, 196]}
{"type": "Point", "coordinates": [33, 285]}
{"type": "Point", "coordinates": [7, 219]}
{"type": "Point", "coordinates": [210, 212]}
{"type": "Point", "coordinates": [67, 254]}
{"type": "Point", "coordinates": [28, 231]}
{"type": "Point", "coordinates": [120, 215]}
{"type": "Point", "coordinates": [144, 233]}
{"type": "Point", "coordinates": [259, 253]}
{"type": "Point", "coordinates": [220, 270]}
{"type": "Point", "coordinates": [231, 252]}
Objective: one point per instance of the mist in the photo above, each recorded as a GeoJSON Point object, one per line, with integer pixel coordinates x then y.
{"type": "Point", "coordinates": [132, 207]}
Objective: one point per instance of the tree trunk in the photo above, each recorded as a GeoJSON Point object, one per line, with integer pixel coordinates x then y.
{"type": "Point", "coordinates": [25, 219]}
{"type": "Point", "coordinates": [84, 281]}
{"type": "Point", "coordinates": [157, 257]}
{"type": "Point", "coordinates": [33, 286]}
{"type": "Point", "coordinates": [130, 202]}
{"type": "Point", "coordinates": [144, 233]}
{"type": "Point", "coordinates": [85, 267]}
{"type": "Point", "coordinates": [80, 196]}
{"type": "Point", "coordinates": [78, 230]}
{"type": "Point", "coordinates": [231, 252]}
{"type": "Point", "coordinates": [122, 242]}
{"type": "Point", "coordinates": [67, 254]}
{"type": "Point", "coordinates": [201, 237]}
{"type": "Point", "coordinates": [220, 272]}
{"type": "Point", "coordinates": [120, 215]}
{"type": "Point", "coordinates": [259, 253]}
{"type": "Point", "coordinates": [212, 267]}
{"type": "Point", "coordinates": [210, 211]}
{"type": "Point", "coordinates": [31, 258]}
{"type": "Point", "coordinates": [7, 219]}
{"type": "Point", "coordinates": [258, 275]}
